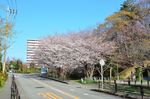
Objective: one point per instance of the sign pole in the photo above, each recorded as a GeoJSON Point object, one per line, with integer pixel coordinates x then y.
{"type": "Point", "coordinates": [102, 63]}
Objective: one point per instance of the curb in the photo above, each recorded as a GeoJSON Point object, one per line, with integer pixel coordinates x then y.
{"type": "Point", "coordinates": [65, 82]}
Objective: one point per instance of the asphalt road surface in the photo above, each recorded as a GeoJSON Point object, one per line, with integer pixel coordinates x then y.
{"type": "Point", "coordinates": [34, 87]}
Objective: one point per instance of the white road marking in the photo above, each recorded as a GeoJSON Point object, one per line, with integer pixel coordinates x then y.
{"type": "Point", "coordinates": [58, 90]}
{"type": "Point", "coordinates": [71, 89]}
{"type": "Point", "coordinates": [85, 94]}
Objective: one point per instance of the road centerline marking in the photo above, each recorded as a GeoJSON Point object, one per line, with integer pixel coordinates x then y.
{"type": "Point", "coordinates": [44, 95]}
{"type": "Point", "coordinates": [85, 94]}
{"type": "Point", "coordinates": [50, 95]}
{"type": "Point", "coordinates": [56, 95]}
{"type": "Point", "coordinates": [71, 89]}
{"type": "Point", "coordinates": [58, 90]}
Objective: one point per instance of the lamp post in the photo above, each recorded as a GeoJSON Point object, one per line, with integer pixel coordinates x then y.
{"type": "Point", "coordinates": [102, 63]}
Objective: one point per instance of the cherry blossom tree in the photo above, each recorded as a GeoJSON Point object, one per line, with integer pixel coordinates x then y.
{"type": "Point", "coordinates": [73, 50]}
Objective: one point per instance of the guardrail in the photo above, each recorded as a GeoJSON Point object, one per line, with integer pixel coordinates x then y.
{"type": "Point", "coordinates": [14, 90]}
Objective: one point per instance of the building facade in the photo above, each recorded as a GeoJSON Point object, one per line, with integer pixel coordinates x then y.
{"type": "Point", "coordinates": [32, 47]}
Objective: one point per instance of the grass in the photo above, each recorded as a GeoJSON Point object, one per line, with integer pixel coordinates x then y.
{"type": "Point", "coordinates": [86, 81]}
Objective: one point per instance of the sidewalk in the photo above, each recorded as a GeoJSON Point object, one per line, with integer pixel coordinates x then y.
{"type": "Point", "coordinates": [5, 92]}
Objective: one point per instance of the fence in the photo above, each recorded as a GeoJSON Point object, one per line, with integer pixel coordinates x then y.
{"type": "Point", "coordinates": [127, 89]}
{"type": "Point", "coordinates": [14, 89]}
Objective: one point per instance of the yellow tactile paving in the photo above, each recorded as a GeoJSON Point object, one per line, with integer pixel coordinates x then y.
{"type": "Point", "coordinates": [50, 95]}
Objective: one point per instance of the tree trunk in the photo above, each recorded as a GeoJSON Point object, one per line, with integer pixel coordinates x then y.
{"type": "Point", "coordinates": [110, 73]}
{"type": "Point", "coordinates": [91, 74]}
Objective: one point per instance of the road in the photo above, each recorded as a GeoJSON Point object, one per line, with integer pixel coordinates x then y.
{"type": "Point", "coordinates": [34, 87]}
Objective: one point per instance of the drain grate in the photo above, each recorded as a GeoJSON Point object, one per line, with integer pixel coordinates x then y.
{"type": "Point", "coordinates": [78, 87]}
{"type": "Point", "coordinates": [39, 87]}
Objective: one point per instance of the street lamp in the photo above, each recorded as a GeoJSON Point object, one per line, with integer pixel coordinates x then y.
{"type": "Point", "coordinates": [102, 63]}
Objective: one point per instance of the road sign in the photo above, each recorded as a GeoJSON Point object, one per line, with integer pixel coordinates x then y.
{"type": "Point", "coordinates": [102, 62]}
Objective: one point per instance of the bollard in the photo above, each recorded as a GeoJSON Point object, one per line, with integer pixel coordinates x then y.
{"type": "Point", "coordinates": [82, 80]}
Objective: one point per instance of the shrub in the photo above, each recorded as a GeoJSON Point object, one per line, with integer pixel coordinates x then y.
{"type": "Point", "coordinates": [3, 78]}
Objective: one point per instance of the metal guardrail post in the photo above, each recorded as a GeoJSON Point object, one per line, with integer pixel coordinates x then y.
{"type": "Point", "coordinates": [115, 86]}
{"type": "Point", "coordinates": [0, 83]}
{"type": "Point", "coordinates": [14, 89]}
{"type": "Point", "coordinates": [141, 91]}
{"type": "Point", "coordinates": [129, 81]}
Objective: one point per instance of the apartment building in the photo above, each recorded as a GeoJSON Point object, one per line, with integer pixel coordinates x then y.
{"type": "Point", "coordinates": [32, 46]}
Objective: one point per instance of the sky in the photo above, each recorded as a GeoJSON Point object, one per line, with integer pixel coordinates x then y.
{"type": "Point", "coordinates": [38, 18]}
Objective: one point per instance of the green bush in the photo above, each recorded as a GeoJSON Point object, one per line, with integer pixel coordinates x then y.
{"type": "Point", "coordinates": [138, 73]}
{"type": "Point", "coordinates": [3, 78]}
{"type": "Point", "coordinates": [29, 70]}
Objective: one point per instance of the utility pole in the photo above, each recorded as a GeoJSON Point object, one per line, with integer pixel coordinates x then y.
{"type": "Point", "coordinates": [5, 45]}
{"type": "Point", "coordinates": [6, 34]}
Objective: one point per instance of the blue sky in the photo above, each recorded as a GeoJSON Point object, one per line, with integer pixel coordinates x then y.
{"type": "Point", "coordinates": [39, 18]}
